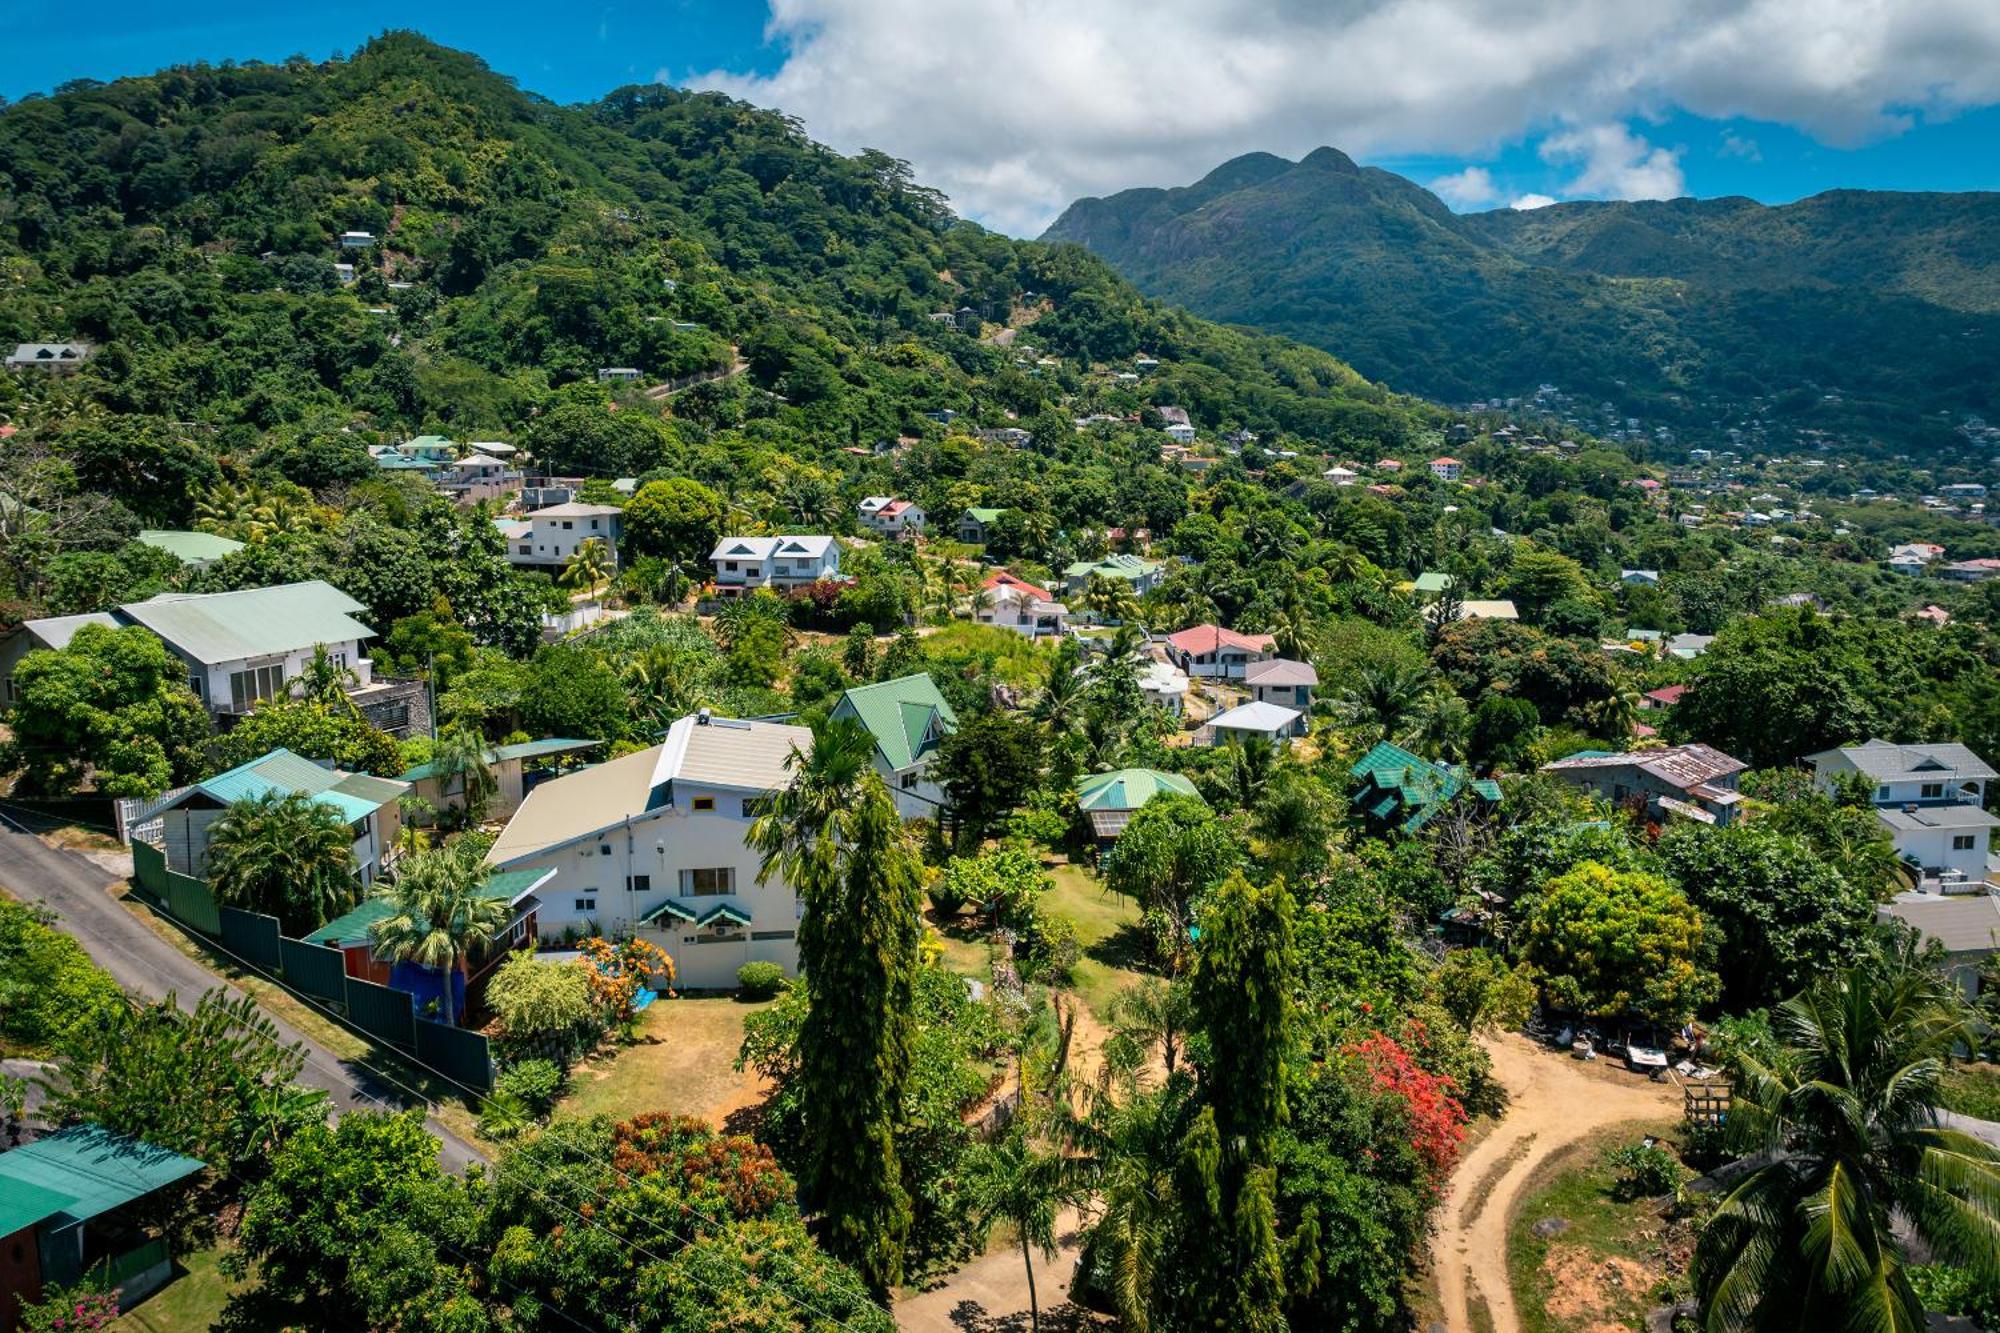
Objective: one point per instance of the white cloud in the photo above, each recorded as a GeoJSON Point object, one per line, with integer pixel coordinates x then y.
{"type": "Point", "coordinates": [1470, 188]}
{"type": "Point", "coordinates": [1615, 164]}
{"type": "Point", "coordinates": [1015, 109]}
{"type": "Point", "coordinates": [1737, 145]}
{"type": "Point", "coordinates": [1527, 201]}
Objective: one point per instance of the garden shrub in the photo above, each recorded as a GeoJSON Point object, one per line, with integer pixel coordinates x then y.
{"type": "Point", "coordinates": [1645, 1171]}
{"type": "Point", "coordinates": [760, 981]}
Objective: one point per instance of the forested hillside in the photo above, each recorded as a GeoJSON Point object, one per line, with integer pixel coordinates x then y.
{"type": "Point", "coordinates": [1868, 315]}
{"type": "Point", "coordinates": [188, 225]}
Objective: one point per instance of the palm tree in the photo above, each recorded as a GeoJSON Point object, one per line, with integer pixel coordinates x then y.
{"type": "Point", "coordinates": [438, 913]}
{"type": "Point", "coordinates": [1110, 599]}
{"type": "Point", "coordinates": [589, 568]}
{"type": "Point", "coordinates": [326, 682]}
{"type": "Point", "coordinates": [1844, 1104]}
{"type": "Point", "coordinates": [1029, 1187]}
{"type": "Point", "coordinates": [284, 854]}
{"type": "Point", "coordinates": [460, 758]}
{"type": "Point", "coordinates": [1383, 701]}
{"type": "Point", "coordinates": [1128, 1148]}
{"type": "Point", "coordinates": [1062, 693]}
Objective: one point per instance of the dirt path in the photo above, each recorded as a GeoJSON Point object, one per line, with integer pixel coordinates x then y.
{"type": "Point", "coordinates": [990, 1294]}
{"type": "Point", "coordinates": [1554, 1102]}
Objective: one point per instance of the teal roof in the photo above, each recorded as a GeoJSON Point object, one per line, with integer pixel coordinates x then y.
{"type": "Point", "coordinates": [906, 716]}
{"type": "Point", "coordinates": [672, 907]}
{"type": "Point", "coordinates": [508, 886]}
{"type": "Point", "coordinates": [398, 463]}
{"type": "Point", "coordinates": [1432, 582]}
{"type": "Point", "coordinates": [1406, 790]}
{"type": "Point", "coordinates": [1118, 566]}
{"type": "Point", "coordinates": [1130, 788]}
{"type": "Point", "coordinates": [82, 1171]}
{"type": "Point", "coordinates": [500, 753]}
{"type": "Point", "coordinates": [730, 911]}
{"type": "Point", "coordinates": [252, 622]}
{"type": "Point", "coordinates": [190, 548]}
{"type": "Point", "coordinates": [980, 515]}
{"type": "Point", "coordinates": [354, 795]}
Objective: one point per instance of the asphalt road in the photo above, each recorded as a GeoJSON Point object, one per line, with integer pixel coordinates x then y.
{"type": "Point", "coordinates": [81, 894]}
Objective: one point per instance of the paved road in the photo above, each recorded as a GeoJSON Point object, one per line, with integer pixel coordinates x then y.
{"type": "Point", "coordinates": [81, 894]}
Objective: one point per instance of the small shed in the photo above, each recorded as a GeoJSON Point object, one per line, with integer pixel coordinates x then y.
{"type": "Point", "coordinates": [1109, 800]}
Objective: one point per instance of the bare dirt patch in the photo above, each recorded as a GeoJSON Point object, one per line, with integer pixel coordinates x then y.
{"type": "Point", "coordinates": [1588, 1288]}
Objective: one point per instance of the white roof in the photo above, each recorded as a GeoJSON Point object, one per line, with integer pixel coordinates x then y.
{"type": "Point", "coordinates": [575, 510]}
{"type": "Point", "coordinates": [1163, 678]}
{"type": "Point", "coordinates": [478, 463]}
{"type": "Point", "coordinates": [1502, 609]}
{"type": "Point", "coordinates": [763, 548]}
{"type": "Point", "coordinates": [1259, 716]}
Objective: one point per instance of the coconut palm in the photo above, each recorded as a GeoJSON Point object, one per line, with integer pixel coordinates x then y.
{"type": "Point", "coordinates": [1110, 599]}
{"type": "Point", "coordinates": [1029, 1187]}
{"type": "Point", "coordinates": [589, 568]}
{"type": "Point", "coordinates": [460, 759]}
{"type": "Point", "coordinates": [1383, 702]}
{"type": "Point", "coordinates": [439, 913]}
{"type": "Point", "coordinates": [326, 682]}
{"type": "Point", "coordinates": [1128, 1148]}
{"type": "Point", "coordinates": [284, 854]}
{"type": "Point", "coordinates": [1844, 1107]}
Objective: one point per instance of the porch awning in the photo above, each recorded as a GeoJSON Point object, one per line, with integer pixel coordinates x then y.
{"type": "Point", "coordinates": [725, 911]}
{"type": "Point", "coordinates": [669, 910]}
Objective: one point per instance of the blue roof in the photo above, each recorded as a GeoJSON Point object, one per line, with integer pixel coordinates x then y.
{"type": "Point", "coordinates": [74, 1175]}
{"type": "Point", "coordinates": [354, 795]}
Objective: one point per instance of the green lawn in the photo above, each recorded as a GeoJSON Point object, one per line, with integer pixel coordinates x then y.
{"type": "Point", "coordinates": [192, 1302]}
{"type": "Point", "coordinates": [1973, 1090]}
{"type": "Point", "coordinates": [681, 1063]}
{"type": "Point", "coordinates": [1107, 928]}
{"type": "Point", "coordinates": [1605, 1269]}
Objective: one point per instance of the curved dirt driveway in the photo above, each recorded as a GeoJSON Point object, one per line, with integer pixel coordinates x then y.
{"type": "Point", "coordinates": [1553, 1102]}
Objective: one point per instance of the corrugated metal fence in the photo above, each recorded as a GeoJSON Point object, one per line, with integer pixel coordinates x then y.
{"type": "Point", "coordinates": [315, 971]}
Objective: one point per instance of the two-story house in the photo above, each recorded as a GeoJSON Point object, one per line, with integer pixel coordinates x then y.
{"type": "Point", "coordinates": [1281, 681]}
{"type": "Point", "coordinates": [1446, 469]}
{"type": "Point", "coordinates": [975, 525]}
{"type": "Point", "coordinates": [547, 538]}
{"type": "Point", "coordinates": [656, 842]}
{"type": "Point", "coordinates": [1016, 604]}
{"type": "Point", "coordinates": [1695, 782]}
{"type": "Point", "coordinates": [1930, 798]}
{"type": "Point", "coordinates": [909, 720]}
{"type": "Point", "coordinates": [1210, 652]}
{"type": "Point", "coordinates": [743, 564]}
{"type": "Point", "coordinates": [477, 477]}
{"type": "Point", "coordinates": [886, 516]}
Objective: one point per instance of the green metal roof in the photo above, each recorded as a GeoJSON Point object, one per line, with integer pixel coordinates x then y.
{"type": "Point", "coordinates": [906, 716]}
{"type": "Point", "coordinates": [1408, 788]}
{"type": "Point", "coordinates": [729, 910]}
{"type": "Point", "coordinates": [507, 886]}
{"type": "Point", "coordinates": [672, 907]}
{"type": "Point", "coordinates": [253, 622]}
{"type": "Point", "coordinates": [1130, 788]}
{"type": "Point", "coordinates": [980, 515]}
{"type": "Point", "coordinates": [398, 463]}
{"type": "Point", "coordinates": [499, 753]}
{"type": "Point", "coordinates": [354, 795]}
{"type": "Point", "coordinates": [189, 547]}
{"type": "Point", "coordinates": [1432, 582]}
{"type": "Point", "coordinates": [84, 1170]}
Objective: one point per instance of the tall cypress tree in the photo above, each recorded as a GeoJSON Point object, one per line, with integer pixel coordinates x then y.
{"type": "Point", "coordinates": [836, 837]}
{"type": "Point", "coordinates": [1243, 980]}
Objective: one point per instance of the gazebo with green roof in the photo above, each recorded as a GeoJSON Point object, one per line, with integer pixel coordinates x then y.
{"type": "Point", "coordinates": [1111, 799]}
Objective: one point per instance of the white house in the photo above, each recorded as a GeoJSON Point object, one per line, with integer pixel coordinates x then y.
{"type": "Point", "coordinates": [547, 538]}
{"type": "Point", "coordinates": [1165, 686]}
{"type": "Point", "coordinates": [1446, 469]}
{"type": "Point", "coordinates": [1340, 475]}
{"type": "Point", "coordinates": [1929, 797]}
{"type": "Point", "coordinates": [1259, 721]}
{"type": "Point", "coordinates": [1214, 653]}
{"type": "Point", "coordinates": [1021, 606]}
{"type": "Point", "coordinates": [909, 720]}
{"type": "Point", "coordinates": [746, 563]}
{"type": "Point", "coordinates": [477, 477]}
{"type": "Point", "coordinates": [1180, 433]}
{"type": "Point", "coordinates": [1281, 681]}
{"type": "Point", "coordinates": [655, 843]}
{"type": "Point", "coordinates": [886, 516]}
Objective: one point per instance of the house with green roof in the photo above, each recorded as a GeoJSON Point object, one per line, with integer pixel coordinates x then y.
{"type": "Point", "coordinates": [1401, 792]}
{"type": "Point", "coordinates": [179, 822]}
{"type": "Point", "coordinates": [513, 775]}
{"type": "Point", "coordinates": [1141, 573]}
{"type": "Point", "coordinates": [975, 525]}
{"type": "Point", "coordinates": [909, 720]}
{"type": "Point", "coordinates": [71, 1205]}
{"type": "Point", "coordinates": [190, 548]}
{"type": "Point", "coordinates": [353, 936]}
{"type": "Point", "coordinates": [1109, 800]}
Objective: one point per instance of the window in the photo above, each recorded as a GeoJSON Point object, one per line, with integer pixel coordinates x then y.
{"type": "Point", "coordinates": [527, 549]}
{"type": "Point", "coordinates": [1881, 794]}
{"type": "Point", "coordinates": [708, 882]}
{"type": "Point", "coordinates": [586, 904]}
{"type": "Point", "coordinates": [604, 849]}
{"type": "Point", "coordinates": [567, 525]}
{"type": "Point", "coordinates": [729, 566]}
{"type": "Point", "coordinates": [702, 803]}
{"type": "Point", "coordinates": [773, 934]}
{"type": "Point", "coordinates": [257, 685]}
{"type": "Point", "coordinates": [1964, 842]}
{"type": "Point", "coordinates": [909, 780]}
{"type": "Point", "coordinates": [642, 883]}
{"type": "Point", "coordinates": [1932, 791]}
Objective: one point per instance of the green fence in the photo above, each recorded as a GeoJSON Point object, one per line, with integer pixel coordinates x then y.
{"type": "Point", "coordinates": [459, 1055]}
{"type": "Point", "coordinates": [252, 936]}
{"type": "Point", "coordinates": [315, 969]}
{"type": "Point", "coordinates": [382, 1012]}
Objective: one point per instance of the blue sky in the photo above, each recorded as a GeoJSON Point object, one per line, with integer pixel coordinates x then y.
{"type": "Point", "coordinates": [1016, 108]}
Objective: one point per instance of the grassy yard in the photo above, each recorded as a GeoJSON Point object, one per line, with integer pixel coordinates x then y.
{"type": "Point", "coordinates": [1973, 1090]}
{"type": "Point", "coordinates": [680, 1063]}
{"type": "Point", "coordinates": [192, 1302]}
{"type": "Point", "coordinates": [1605, 1265]}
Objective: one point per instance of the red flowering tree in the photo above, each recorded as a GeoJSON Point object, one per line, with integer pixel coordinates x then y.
{"type": "Point", "coordinates": [739, 1171]}
{"type": "Point", "coordinates": [1437, 1120]}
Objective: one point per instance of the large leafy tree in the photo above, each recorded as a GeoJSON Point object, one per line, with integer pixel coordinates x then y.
{"type": "Point", "coordinates": [1842, 1104]}
{"type": "Point", "coordinates": [311, 729]}
{"type": "Point", "coordinates": [1171, 853]}
{"type": "Point", "coordinates": [439, 913]}
{"type": "Point", "coordinates": [989, 766]}
{"type": "Point", "coordinates": [834, 835]}
{"type": "Point", "coordinates": [1614, 943]}
{"type": "Point", "coordinates": [285, 854]}
{"type": "Point", "coordinates": [113, 707]}
{"type": "Point", "coordinates": [678, 519]}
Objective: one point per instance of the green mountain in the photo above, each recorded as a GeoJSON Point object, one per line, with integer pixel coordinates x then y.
{"type": "Point", "coordinates": [1870, 315]}
{"type": "Point", "coordinates": [190, 225]}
